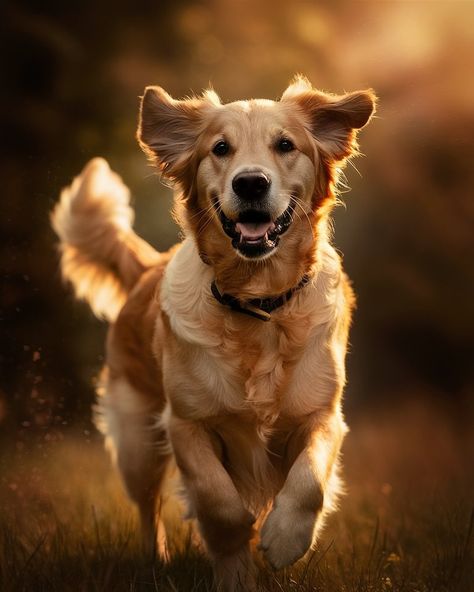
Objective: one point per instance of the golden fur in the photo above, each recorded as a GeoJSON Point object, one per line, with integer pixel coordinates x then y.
{"type": "Point", "coordinates": [250, 410]}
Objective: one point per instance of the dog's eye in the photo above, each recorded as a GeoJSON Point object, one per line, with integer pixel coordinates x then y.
{"type": "Point", "coordinates": [285, 145]}
{"type": "Point", "coordinates": [221, 148]}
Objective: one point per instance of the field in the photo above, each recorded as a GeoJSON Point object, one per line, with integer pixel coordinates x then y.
{"type": "Point", "coordinates": [406, 523]}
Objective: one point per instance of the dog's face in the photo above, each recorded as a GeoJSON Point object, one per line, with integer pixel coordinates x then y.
{"type": "Point", "coordinates": [253, 174]}
{"type": "Point", "coordinates": [257, 171]}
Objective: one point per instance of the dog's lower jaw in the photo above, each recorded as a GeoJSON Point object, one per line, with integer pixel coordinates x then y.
{"type": "Point", "coordinates": [256, 252]}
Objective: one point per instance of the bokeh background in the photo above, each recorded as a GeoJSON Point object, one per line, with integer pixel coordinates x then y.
{"type": "Point", "coordinates": [71, 76]}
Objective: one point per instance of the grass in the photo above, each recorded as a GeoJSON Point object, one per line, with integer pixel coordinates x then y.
{"type": "Point", "coordinates": [406, 524]}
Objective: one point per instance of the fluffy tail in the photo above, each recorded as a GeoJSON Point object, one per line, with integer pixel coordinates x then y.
{"type": "Point", "coordinates": [100, 254]}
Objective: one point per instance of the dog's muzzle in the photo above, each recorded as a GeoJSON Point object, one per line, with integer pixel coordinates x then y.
{"type": "Point", "coordinates": [254, 234]}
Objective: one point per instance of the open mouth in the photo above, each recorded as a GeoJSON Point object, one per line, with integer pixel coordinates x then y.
{"type": "Point", "coordinates": [254, 233]}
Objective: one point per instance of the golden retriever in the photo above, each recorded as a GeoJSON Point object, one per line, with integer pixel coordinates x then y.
{"type": "Point", "coordinates": [226, 353]}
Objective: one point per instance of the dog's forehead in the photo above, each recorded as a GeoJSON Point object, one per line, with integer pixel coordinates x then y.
{"type": "Point", "coordinates": [255, 116]}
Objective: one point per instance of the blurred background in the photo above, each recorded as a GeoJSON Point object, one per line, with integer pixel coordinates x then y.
{"type": "Point", "coordinates": [72, 74]}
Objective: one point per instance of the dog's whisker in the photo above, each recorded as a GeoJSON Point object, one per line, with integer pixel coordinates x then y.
{"type": "Point", "coordinates": [202, 212]}
{"type": "Point", "coordinates": [354, 167]}
{"type": "Point", "coordinates": [205, 224]}
{"type": "Point", "coordinates": [204, 216]}
{"type": "Point", "coordinates": [342, 182]}
{"type": "Point", "coordinates": [298, 203]}
{"type": "Point", "coordinates": [204, 219]}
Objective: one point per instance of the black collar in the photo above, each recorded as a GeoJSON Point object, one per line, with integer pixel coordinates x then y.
{"type": "Point", "coordinates": [259, 308]}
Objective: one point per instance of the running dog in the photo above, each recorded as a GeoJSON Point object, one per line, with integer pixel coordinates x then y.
{"type": "Point", "coordinates": [226, 354]}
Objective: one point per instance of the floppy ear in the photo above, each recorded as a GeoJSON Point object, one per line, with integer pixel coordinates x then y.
{"type": "Point", "coordinates": [168, 129]}
{"type": "Point", "coordinates": [332, 120]}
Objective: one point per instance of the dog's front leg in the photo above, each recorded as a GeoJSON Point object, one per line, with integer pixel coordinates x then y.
{"type": "Point", "coordinates": [290, 528]}
{"type": "Point", "coordinates": [225, 524]}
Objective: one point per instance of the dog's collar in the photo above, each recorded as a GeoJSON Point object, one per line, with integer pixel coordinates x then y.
{"type": "Point", "coordinates": [258, 308]}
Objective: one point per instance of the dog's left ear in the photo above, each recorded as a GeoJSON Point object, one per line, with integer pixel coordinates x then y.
{"type": "Point", "coordinates": [332, 120]}
{"type": "Point", "coordinates": [168, 129]}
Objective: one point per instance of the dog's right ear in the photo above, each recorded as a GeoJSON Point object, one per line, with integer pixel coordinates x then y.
{"type": "Point", "coordinates": [168, 129]}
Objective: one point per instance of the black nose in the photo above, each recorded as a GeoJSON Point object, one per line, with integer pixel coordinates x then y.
{"type": "Point", "coordinates": [251, 186]}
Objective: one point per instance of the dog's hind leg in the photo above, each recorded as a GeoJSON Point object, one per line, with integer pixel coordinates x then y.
{"type": "Point", "coordinates": [141, 452]}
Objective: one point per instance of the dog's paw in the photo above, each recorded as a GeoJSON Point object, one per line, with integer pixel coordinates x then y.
{"type": "Point", "coordinates": [286, 534]}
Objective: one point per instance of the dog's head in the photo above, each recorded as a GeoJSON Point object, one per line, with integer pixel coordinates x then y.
{"type": "Point", "coordinates": [254, 177]}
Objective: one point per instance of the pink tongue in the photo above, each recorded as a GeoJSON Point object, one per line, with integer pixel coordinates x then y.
{"type": "Point", "coordinates": [252, 230]}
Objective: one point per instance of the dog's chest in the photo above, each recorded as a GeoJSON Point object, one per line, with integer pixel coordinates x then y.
{"type": "Point", "coordinates": [261, 374]}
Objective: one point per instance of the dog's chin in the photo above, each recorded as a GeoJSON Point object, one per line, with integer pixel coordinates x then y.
{"type": "Point", "coordinates": [254, 234]}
